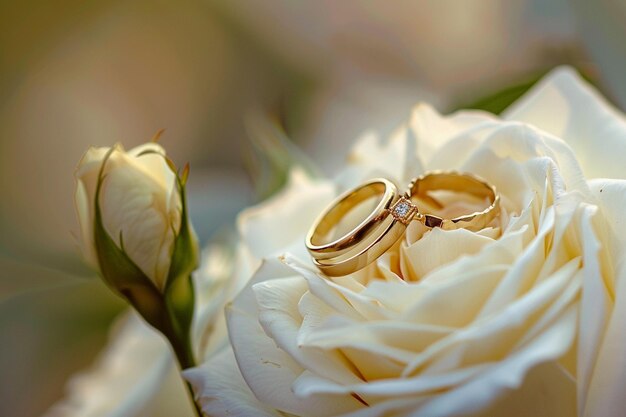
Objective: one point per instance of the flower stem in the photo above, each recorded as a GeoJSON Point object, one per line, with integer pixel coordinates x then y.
{"type": "Point", "coordinates": [185, 357]}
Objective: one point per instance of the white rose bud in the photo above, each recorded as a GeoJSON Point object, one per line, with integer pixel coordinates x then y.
{"type": "Point", "coordinates": [132, 214]}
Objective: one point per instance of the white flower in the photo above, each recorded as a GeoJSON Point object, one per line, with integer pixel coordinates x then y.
{"type": "Point", "coordinates": [140, 204]}
{"type": "Point", "coordinates": [522, 319]}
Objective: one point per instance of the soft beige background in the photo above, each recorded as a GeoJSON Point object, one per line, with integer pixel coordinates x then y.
{"type": "Point", "coordinates": [75, 74]}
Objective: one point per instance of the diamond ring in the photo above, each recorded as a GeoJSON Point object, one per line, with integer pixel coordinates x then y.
{"type": "Point", "coordinates": [338, 252]}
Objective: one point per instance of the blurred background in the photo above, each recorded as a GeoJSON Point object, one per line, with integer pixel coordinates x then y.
{"type": "Point", "coordinates": [74, 74]}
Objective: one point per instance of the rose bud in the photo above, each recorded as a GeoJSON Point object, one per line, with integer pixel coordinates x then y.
{"type": "Point", "coordinates": [133, 219]}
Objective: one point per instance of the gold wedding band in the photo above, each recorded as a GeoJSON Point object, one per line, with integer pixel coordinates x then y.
{"type": "Point", "coordinates": [317, 239]}
{"type": "Point", "coordinates": [387, 222]}
{"type": "Point", "coordinates": [363, 243]}
{"type": "Point", "coordinates": [461, 182]}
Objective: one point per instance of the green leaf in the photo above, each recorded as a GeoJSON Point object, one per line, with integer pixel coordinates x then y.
{"type": "Point", "coordinates": [497, 102]}
{"type": "Point", "coordinates": [501, 99]}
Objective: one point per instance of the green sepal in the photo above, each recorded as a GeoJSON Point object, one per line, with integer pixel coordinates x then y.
{"type": "Point", "coordinates": [178, 291]}
{"type": "Point", "coordinates": [185, 254]}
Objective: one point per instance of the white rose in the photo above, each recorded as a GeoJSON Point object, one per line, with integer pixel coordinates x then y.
{"type": "Point", "coordinates": [524, 319]}
{"type": "Point", "coordinates": [140, 204]}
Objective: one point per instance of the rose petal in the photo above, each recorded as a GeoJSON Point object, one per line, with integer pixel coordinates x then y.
{"type": "Point", "coordinates": [438, 247]}
{"type": "Point", "coordinates": [569, 108]}
{"type": "Point", "coordinates": [395, 159]}
{"type": "Point", "coordinates": [604, 397]}
{"type": "Point", "coordinates": [126, 377]}
{"type": "Point", "coordinates": [496, 336]}
{"type": "Point", "coordinates": [280, 318]}
{"type": "Point", "coordinates": [456, 301]}
{"type": "Point", "coordinates": [385, 390]}
{"type": "Point", "coordinates": [490, 154]}
{"type": "Point", "coordinates": [149, 157]}
{"type": "Point", "coordinates": [283, 220]}
{"type": "Point", "coordinates": [326, 290]}
{"type": "Point", "coordinates": [135, 208]}
{"type": "Point", "coordinates": [395, 340]}
{"type": "Point", "coordinates": [490, 388]}
{"type": "Point", "coordinates": [261, 361]}
{"type": "Point", "coordinates": [433, 130]}
{"type": "Point", "coordinates": [221, 390]}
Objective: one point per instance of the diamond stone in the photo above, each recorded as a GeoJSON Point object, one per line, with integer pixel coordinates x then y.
{"type": "Point", "coordinates": [402, 209]}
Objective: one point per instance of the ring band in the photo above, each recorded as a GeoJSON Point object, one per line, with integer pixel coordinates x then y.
{"type": "Point", "coordinates": [387, 222]}
{"type": "Point", "coordinates": [364, 243]}
{"type": "Point", "coordinates": [317, 239]}
{"type": "Point", "coordinates": [458, 182]}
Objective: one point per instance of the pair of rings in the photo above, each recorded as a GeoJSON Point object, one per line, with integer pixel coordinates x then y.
{"type": "Point", "coordinates": [387, 222]}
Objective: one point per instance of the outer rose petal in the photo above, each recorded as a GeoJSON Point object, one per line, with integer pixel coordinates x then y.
{"type": "Point", "coordinates": [137, 204]}
{"type": "Point", "coordinates": [153, 164]}
{"type": "Point", "coordinates": [83, 209]}
{"type": "Point", "coordinates": [605, 396]}
{"type": "Point", "coordinates": [569, 108]}
{"type": "Point", "coordinates": [432, 130]}
{"type": "Point", "coordinates": [86, 175]}
{"type": "Point", "coordinates": [544, 391]}
{"type": "Point", "coordinates": [272, 225]}
{"type": "Point", "coordinates": [222, 391]}
{"type": "Point", "coordinates": [410, 148]}
{"type": "Point", "coordinates": [257, 354]}
{"type": "Point", "coordinates": [394, 159]}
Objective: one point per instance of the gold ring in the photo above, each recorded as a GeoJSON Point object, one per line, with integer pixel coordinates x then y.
{"type": "Point", "coordinates": [454, 181]}
{"type": "Point", "coordinates": [387, 222]}
{"type": "Point", "coordinates": [318, 241]}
